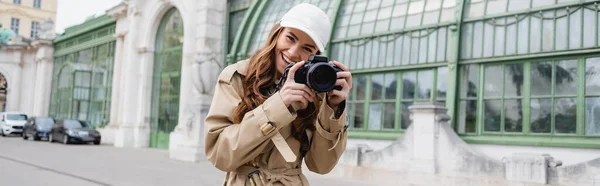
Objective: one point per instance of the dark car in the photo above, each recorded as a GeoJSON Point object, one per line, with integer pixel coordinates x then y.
{"type": "Point", "coordinates": [73, 131]}
{"type": "Point", "coordinates": [37, 127]}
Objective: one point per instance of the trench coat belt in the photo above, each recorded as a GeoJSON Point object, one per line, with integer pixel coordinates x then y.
{"type": "Point", "coordinates": [284, 175]}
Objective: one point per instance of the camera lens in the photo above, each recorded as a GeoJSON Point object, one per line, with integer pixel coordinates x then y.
{"type": "Point", "coordinates": [321, 77]}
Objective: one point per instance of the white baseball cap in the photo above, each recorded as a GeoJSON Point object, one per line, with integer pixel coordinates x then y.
{"type": "Point", "coordinates": [311, 20]}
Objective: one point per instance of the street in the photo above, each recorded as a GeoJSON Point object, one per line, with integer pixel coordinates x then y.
{"type": "Point", "coordinates": [29, 163]}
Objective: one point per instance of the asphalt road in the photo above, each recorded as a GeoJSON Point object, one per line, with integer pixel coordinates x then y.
{"type": "Point", "coordinates": [36, 163]}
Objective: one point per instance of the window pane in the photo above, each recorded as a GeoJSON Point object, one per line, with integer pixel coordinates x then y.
{"type": "Point", "coordinates": [390, 86]}
{"type": "Point", "coordinates": [488, 40]}
{"type": "Point", "coordinates": [500, 40]}
{"type": "Point", "coordinates": [511, 37]}
{"type": "Point", "coordinates": [361, 87]}
{"type": "Point", "coordinates": [513, 82]}
{"type": "Point", "coordinates": [513, 115]}
{"type": "Point", "coordinates": [535, 36]}
{"type": "Point", "coordinates": [376, 86]}
{"type": "Point", "coordinates": [575, 30]}
{"type": "Point", "coordinates": [491, 117]}
{"type": "Point", "coordinates": [565, 115]}
{"type": "Point", "coordinates": [493, 81]}
{"type": "Point", "coordinates": [468, 116]}
{"type": "Point", "coordinates": [523, 35]}
{"type": "Point", "coordinates": [561, 30]}
{"type": "Point", "coordinates": [548, 32]}
{"type": "Point", "coordinates": [441, 52]}
{"type": "Point", "coordinates": [541, 79]}
{"type": "Point", "coordinates": [592, 116]}
{"type": "Point", "coordinates": [592, 76]}
{"type": "Point", "coordinates": [589, 19]}
{"type": "Point", "coordinates": [409, 80]}
{"type": "Point", "coordinates": [359, 115]}
{"type": "Point", "coordinates": [425, 84]}
{"type": "Point", "coordinates": [566, 77]}
{"type": "Point", "coordinates": [423, 47]}
{"type": "Point", "coordinates": [375, 111]}
{"type": "Point", "coordinates": [375, 54]}
{"type": "Point", "coordinates": [469, 81]}
{"type": "Point", "coordinates": [514, 5]}
{"type": "Point", "coordinates": [406, 50]}
{"type": "Point", "coordinates": [405, 115]}
{"type": "Point", "coordinates": [477, 39]}
{"type": "Point", "coordinates": [414, 49]}
{"type": "Point", "coordinates": [442, 77]}
{"type": "Point", "coordinates": [496, 6]}
{"type": "Point", "coordinates": [389, 116]}
{"type": "Point", "coordinates": [431, 55]}
{"type": "Point", "coordinates": [540, 115]}
{"type": "Point", "coordinates": [538, 3]}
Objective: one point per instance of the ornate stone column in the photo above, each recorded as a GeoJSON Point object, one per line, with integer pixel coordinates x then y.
{"type": "Point", "coordinates": [43, 79]}
{"type": "Point", "coordinates": [127, 108]}
{"type": "Point", "coordinates": [200, 70]}
{"type": "Point", "coordinates": [119, 12]}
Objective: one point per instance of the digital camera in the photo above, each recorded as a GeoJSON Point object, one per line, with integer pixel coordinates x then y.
{"type": "Point", "coordinates": [317, 73]}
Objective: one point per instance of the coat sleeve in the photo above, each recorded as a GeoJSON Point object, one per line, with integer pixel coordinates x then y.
{"type": "Point", "coordinates": [329, 141]}
{"type": "Point", "coordinates": [229, 145]}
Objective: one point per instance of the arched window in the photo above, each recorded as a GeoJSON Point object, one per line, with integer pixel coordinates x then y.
{"type": "Point", "coordinates": [166, 78]}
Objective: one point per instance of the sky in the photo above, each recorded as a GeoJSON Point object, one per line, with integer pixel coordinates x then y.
{"type": "Point", "coordinates": [73, 12]}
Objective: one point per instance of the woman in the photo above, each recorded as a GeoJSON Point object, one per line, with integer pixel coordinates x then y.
{"type": "Point", "coordinates": [259, 134]}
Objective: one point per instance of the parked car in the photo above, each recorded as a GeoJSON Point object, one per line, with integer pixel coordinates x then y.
{"type": "Point", "coordinates": [37, 127]}
{"type": "Point", "coordinates": [12, 123]}
{"type": "Point", "coordinates": [73, 131]}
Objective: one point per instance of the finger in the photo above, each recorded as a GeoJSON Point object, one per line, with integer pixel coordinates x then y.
{"type": "Point", "coordinates": [337, 94]}
{"type": "Point", "coordinates": [293, 70]}
{"type": "Point", "coordinates": [342, 66]}
{"type": "Point", "coordinates": [295, 86]}
{"type": "Point", "coordinates": [344, 75]}
{"type": "Point", "coordinates": [343, 83]}
{"type": "Point", "coordinates": [300, 99]}
{"type": "Point", "coordinates": [309, 92]}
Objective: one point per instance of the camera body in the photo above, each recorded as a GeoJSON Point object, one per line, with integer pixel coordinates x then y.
{"type": "Point", "coordinates": [317, 73]}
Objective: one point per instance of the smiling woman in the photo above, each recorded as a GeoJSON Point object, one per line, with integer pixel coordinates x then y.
{"type": "Point", "coordinates": [252, 130]}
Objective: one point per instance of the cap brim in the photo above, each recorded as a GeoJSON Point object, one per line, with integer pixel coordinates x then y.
{"type": "Point", "coordinates": [311, 34]}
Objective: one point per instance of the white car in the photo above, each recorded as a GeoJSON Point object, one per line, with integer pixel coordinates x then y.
{"type": "Point", "coordinates": [12, 123]}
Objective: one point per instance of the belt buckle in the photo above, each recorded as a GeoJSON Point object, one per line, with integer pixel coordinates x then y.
{"type": "Point", "coordinates": [256, 178]}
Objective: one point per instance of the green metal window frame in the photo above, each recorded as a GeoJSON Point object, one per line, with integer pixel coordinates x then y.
{"type": "Point", "coordinates": [166, 81]}
{"type": "Point", "coordinates": [399, 100]}
{"type": "Point", "coordinates": [66, 101]}
{"type": "Point", "coordinates": [545, 18]}
{"type": "Point", "coordinates": [526, 136]}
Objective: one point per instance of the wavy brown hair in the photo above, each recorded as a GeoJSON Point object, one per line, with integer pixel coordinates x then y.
{"type": "Point", "coordinates": [261, 76]}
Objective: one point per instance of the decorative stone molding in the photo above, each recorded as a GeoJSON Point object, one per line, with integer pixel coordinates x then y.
{"type": "Point", "coordinates": [118, 11]}
{"type": "Point", "coordinates": [529, 167]}
{"type": "Point", "coordinates": [46, 31]}
{"type": "Point", "coordinates": [121, 34]}
{"type": "Point", "coordinates": [205, 76]}
{"type": "Point", "coordinates": [141, 50]}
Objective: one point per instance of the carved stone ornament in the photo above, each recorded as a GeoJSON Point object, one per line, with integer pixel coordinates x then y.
{"type": "Point", "coordinates": [45, 30]}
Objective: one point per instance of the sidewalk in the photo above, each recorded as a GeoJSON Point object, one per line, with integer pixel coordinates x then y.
{"type": "Point", "coordinates": [107, 165]}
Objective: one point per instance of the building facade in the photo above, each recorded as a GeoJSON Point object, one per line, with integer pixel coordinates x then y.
{"type": "Point", "coordinates": [25, 71]}
{"type": "Point", "coordinates": [24, 17]}
{"type": "Point", "coordinates": [516, 76]}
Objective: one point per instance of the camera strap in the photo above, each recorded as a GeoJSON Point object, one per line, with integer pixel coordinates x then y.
{"type": "Point", "coordinates": [284, 76]}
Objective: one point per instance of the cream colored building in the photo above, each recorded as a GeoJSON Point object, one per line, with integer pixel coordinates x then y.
{"type": "Point", "coordinates": [24, 16]}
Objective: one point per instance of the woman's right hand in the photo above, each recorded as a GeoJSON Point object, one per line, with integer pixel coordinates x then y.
{"type": "Point", "coordinates": [296, 94]}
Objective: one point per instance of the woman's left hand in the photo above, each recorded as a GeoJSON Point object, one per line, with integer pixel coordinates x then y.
{"type": "Point", "coordinates": [335, 97]}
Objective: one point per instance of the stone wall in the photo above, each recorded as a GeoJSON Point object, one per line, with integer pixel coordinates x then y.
{"type": "Point", "coordinates": [430, 153]}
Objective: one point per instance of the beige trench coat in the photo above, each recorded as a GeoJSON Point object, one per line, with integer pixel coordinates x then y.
{"type": "Point", "coordinates": [239, 149]}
